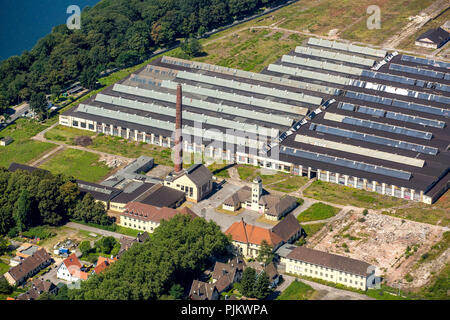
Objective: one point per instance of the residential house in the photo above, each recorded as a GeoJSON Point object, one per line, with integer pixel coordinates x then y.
{"type": "Point", "coordinates": [257, 199]}
{"type": "Point", "coordinates": [195, 182]}
{"type": "Point", "coordinates": [270, 269]}
{"type": "Point", "coordinates": [38, 287]}
{"type": "Point", "coordinates": [28, 267]}
{"type": "Point", "coordinates": [102, 264]}
{"type": "Point", "coordinates": [71, 269]}
{"type": "Point", "coordinates": [326, 266]}
{"type": "Point", "coordinates": [203, 291]}
{"type": "Point", "coordinates": [433, 38]}
{"type": "Point", "coordinates": [225, 274]}
{"type": "Point", "coordinates": [247, 238]}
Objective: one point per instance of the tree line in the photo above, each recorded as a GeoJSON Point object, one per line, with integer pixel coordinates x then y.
{"type": "Point", "coordinates": [113, 34]}
{"type": "Point", "coordinates": [41, 198]}
{"type": "Point", "coordinates": [160, 268]}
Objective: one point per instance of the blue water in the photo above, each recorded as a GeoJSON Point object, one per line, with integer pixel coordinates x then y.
{"type": "Point", "coordinates": [24, 22]}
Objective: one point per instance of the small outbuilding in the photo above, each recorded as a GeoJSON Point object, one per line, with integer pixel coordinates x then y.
{"type": "Point", "coordinates": [433, 38]}
{"type": "Point", "coordinates": [5, 141]}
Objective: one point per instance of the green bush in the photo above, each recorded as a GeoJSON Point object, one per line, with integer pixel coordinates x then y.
{"type": "Point", "coordinates": [39, 232]}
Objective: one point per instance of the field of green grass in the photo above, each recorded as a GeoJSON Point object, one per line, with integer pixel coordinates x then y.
{"type": "Point", "coordinates": [311, 229]}
{"type": "Point", "coordinates": [79, 164]}
{"type": "Point", "coordinates": [219, 170]}
{"type": "Point", "coordinates": [23, 150]}
{"type": "Point", "coordinates": [297, 290]}
{"type": "Point", "coordinates": [290, 184]}
{"type": "Point", "coordinates": [318, 211]}
{"type": "Point", "coordinates": [131, 149]}
{"type": "Point", "coordinates": [66, 134]}
{"type": "Point", "coordinates": [3, 268]}
{"type": "Point", "coordinates": [331, 192]}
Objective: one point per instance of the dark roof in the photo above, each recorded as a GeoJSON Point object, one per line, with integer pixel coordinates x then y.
{"type": "Point", "coordinates": [143, 236]}
{"type": "Point", "coordinates": [29, 264]}
{"type": "Point", "coordinates": [37, 288]}
{"type": "Point", "coordinates": [161, 196]}
{"type": "Point", "coordinates": [329, 260]}
{"type": "Point", "coordinates": [201, 290]}
{"type": "Point", "coordinates": [287, 227]}
{"type": "Point", "coordinates": [239, 196]}
{"type": "Point", "coordinates": [277, 205]}
{"type": "Point", "coordinates": [437, 36]}
{"type": "Point", "coordinates": [98, 191]}
{"type": "Point", "coordinates": [199, 174]}
{"type": "Point", "coordinates": [125, 197]}
{"type": "Point", "coordinates": [271, 271]}
{"type": "Point", "coordinates": [225, 273]}
{"type": "Point", "coordinates": [17, 166]}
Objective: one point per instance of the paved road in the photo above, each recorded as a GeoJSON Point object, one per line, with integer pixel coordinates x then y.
{"type": "Point", "coordinates": [102, 232]}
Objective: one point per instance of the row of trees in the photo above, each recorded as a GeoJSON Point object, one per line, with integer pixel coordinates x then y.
{"type": "Point", "coordinates": [161, 267]}
{"type": "Point", "coordinates": [41, 198]}
{"type": "Point", "coordinates": [113, 34]}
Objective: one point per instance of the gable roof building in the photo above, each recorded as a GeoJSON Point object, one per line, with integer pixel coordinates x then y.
{"type": "Point", "coordinates": [225, 274]}
{"type": "Point", "coordinates": [28, 267]}
{"type": "Point", "coordinates": [195, 182]}
{"type": "Point", "coordinates": [146, 217]}
{"type": "Point", "coordinates": [433, 38]}
{"type": "Point", "coordinates": [203, 291]}
{"type": "Point", "coordinates": [71, 269]}
{"type": "Point", "coordinates": [37, 288]}
{"type": "Point", "coordinates": [247, 238]}
{"type": "Point", "coordinates": [288, 229]}
{"type": "Point", "coordinates": [102, 264]}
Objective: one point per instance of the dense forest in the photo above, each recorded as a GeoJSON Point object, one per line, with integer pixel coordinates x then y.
{"type": "Point", "coordinates": [160, 268]}
{"type": "Point", "coordinates": [114, 33]}
{"type": "Point", "coordinates": [41, 198]}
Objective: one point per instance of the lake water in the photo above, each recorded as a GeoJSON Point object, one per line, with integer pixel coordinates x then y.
{"type": "Point", "coordinates": [24, 22]}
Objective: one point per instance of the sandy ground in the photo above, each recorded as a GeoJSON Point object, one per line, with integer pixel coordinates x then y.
{"type": "Point", "coordinates": [382, 240]}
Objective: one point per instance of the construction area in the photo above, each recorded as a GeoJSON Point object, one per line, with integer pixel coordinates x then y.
{"type": "Point", "coordinates": [405, 252]}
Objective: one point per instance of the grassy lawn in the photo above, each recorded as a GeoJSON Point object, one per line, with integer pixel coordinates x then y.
{"type": "Point", "coordinates": [23, 150]}
{"type": "Point", "coordinates": [66, 134]}
{"type": "Point", "coordinates": [3, 268]}
{"type": "Point", "coordinates": [131, 149]}
{"type": "Point", "coordinates": [437, 213]}
{"type": "Point", "coordinates": [331, 192]}
{"type": "Point", "coordinates": [291, 184]}
{"type": "Point", "coordinates": [318, 211]}
{"type": "Point", "coordinates": [247, 172]}
{"type": "Point", "coordinates": [79, 164]}
{"type": "Point", "coordinates": [219, 170]}
{"type": "Point", "coordinates": [297, 290]}
{"type": "Point", "coordinates": [311, 229]}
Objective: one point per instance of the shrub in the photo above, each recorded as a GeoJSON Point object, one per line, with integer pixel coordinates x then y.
{"type": "Point", "coordinates": [365, 212]}
{"type": "Point", "coordinates": [424, 256]}
{"type": "Point", "coordinates": [39, 232]}
{"type": "Point", "coordinates": [362, 220]}
{"type": "Point", "coordinates": [409, 277]}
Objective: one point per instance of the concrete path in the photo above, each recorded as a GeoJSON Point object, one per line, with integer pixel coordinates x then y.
{"type": "Point", "coordinates": [102, 232]}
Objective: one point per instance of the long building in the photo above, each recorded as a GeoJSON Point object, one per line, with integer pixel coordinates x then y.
{"type": "Point", "coordinates": [347, 114]}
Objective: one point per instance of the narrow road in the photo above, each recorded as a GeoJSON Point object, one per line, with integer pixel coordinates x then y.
{"type": "Point", "coordinates": [106, 233]}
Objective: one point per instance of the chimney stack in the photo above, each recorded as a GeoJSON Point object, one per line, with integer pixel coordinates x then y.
{"type": "Point", "coordinates": [178, 159]}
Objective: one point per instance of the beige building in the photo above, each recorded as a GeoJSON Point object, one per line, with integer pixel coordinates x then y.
{"type": "Point", "coordinates": [257, 199]}
{"type": "Point", "coordinates": [195, 182]}
{"type": "Point", "coordinates": [144, 217]}
{"type": "Point", "coordinates": [247, 238]}
{"type": "Point", "coordinates": [325, 266]}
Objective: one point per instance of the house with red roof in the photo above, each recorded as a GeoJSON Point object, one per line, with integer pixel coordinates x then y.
{"type": "Point", "coordinates": [102, 264]}
{"type": "Point", "coordinates": [247, 238]}
{"type": "Point", "coordinates": [71, 269]}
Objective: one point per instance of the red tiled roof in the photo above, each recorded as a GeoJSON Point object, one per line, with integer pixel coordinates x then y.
{"type": "Point", "coordinates": [103, 263]}
{"type": "Point", "coordinates": [146, 212]}
{"type": "Point", "coordinates": [247, 233]}
{"type": "Point", "coordinates": [72, 260]}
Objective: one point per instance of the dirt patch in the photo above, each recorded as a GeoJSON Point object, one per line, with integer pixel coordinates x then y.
{"type": "Point", "coordinates": [393, 245]}
{"type": "Point", "coordinates": [83, 141]}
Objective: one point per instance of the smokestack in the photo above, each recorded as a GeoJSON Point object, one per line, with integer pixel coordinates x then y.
{"type": "Point", "coordinates": [178, 159]}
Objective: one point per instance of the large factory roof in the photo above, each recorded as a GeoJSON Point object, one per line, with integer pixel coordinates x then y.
{"type": "Point", "coordinates": [388, 123]}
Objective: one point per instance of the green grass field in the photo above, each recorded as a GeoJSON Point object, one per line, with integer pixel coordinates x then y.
{"type": "Point", "coordinates": [289, 185]}
{"type": "Point", "coordinates": [219, 170]}
{"type": "Point", "coordinates": [23, 150]}
{"type": "Point", "coordinates": [66, 134]}
{"type": "Point", "coordinates": [80, 164]}
{"type": "Point", "coordinates": [297, 290]}
{"type": "Point", "coordinates": [318, 211]}
{"type": "Point", "coordinates": [311, 229]}
{"type": "Point", "coordinates": [331, 192]}
{"type": "Point", "coordinates": [3, 268]}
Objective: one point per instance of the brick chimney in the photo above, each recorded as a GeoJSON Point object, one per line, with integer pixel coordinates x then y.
{"type": "Point", "coordinates": [178, 159]}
